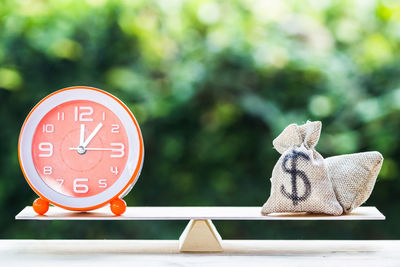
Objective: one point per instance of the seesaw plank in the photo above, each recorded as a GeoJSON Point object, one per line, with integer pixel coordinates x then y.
{"type": "Point", "coordinates": [188, 213]}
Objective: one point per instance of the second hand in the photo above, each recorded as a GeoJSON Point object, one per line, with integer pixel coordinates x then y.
{"type": "Point", "coordinates": [92, 148]}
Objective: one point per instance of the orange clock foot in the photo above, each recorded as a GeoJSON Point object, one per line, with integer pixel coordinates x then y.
{"type": "Point", "coordinates": [118, 206]}
{"type": "Point", "coordinates": [40, 206]}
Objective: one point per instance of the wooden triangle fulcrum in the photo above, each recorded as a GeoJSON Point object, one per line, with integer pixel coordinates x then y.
{"type": "Point", "coordinates": [200, 236]}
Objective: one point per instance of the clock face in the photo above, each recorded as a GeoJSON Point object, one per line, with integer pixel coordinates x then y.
{"type": "Point", "coordinates": [79, 148]}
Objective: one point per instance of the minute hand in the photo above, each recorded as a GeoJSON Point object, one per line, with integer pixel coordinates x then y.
{"type": "Point", "coordinates": [95, 131]}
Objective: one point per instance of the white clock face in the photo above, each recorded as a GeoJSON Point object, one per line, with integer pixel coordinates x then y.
{"type": "Point", "coordinates": [80, 147]}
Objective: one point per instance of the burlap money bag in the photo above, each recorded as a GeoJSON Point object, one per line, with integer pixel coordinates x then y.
{"type": "Point", "coordinates": [300, 182]}
{"type": "Point", "coordinates": [353, 177]}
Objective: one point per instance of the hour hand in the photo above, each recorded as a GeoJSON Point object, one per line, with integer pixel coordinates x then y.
{"type": "Point", "coordinates": [82, 135]}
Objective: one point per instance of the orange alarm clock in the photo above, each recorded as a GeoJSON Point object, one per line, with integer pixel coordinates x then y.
{"type": "Point", "coordinates": [80, 148]}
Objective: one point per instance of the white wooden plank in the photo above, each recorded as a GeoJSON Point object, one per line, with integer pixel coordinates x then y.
{"type": "Point", "coordinates": [188, 213]}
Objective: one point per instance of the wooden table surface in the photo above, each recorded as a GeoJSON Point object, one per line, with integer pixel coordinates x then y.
{"type": "Point", "coordinates": [57, 253]}
{"type": "Point", "coordinates": [116, 253]}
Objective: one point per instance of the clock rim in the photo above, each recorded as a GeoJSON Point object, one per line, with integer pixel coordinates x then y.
{"type": "Point", "coordinates": [128, 185]}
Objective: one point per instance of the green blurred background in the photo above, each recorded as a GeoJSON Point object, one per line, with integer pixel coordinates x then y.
{"type": "Point", "coordinates": [211, 84]}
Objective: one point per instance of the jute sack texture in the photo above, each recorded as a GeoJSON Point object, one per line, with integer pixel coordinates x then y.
{"type": "Point", "coordinates": [300, 181]}
{"type": "Point", "coordinates": [353, 177]}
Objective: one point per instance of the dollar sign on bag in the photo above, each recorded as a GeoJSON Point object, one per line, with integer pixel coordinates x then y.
{"type": "Point", "coordinates": [295, 173]}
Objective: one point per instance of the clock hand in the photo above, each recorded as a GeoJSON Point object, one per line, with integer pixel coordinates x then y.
{"type": "Point", "coordinates": [93, 148]}
{"type": "Point", "coordinates": [82, 135]}
{"type": "Point", "coordinates": [98, 127]}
